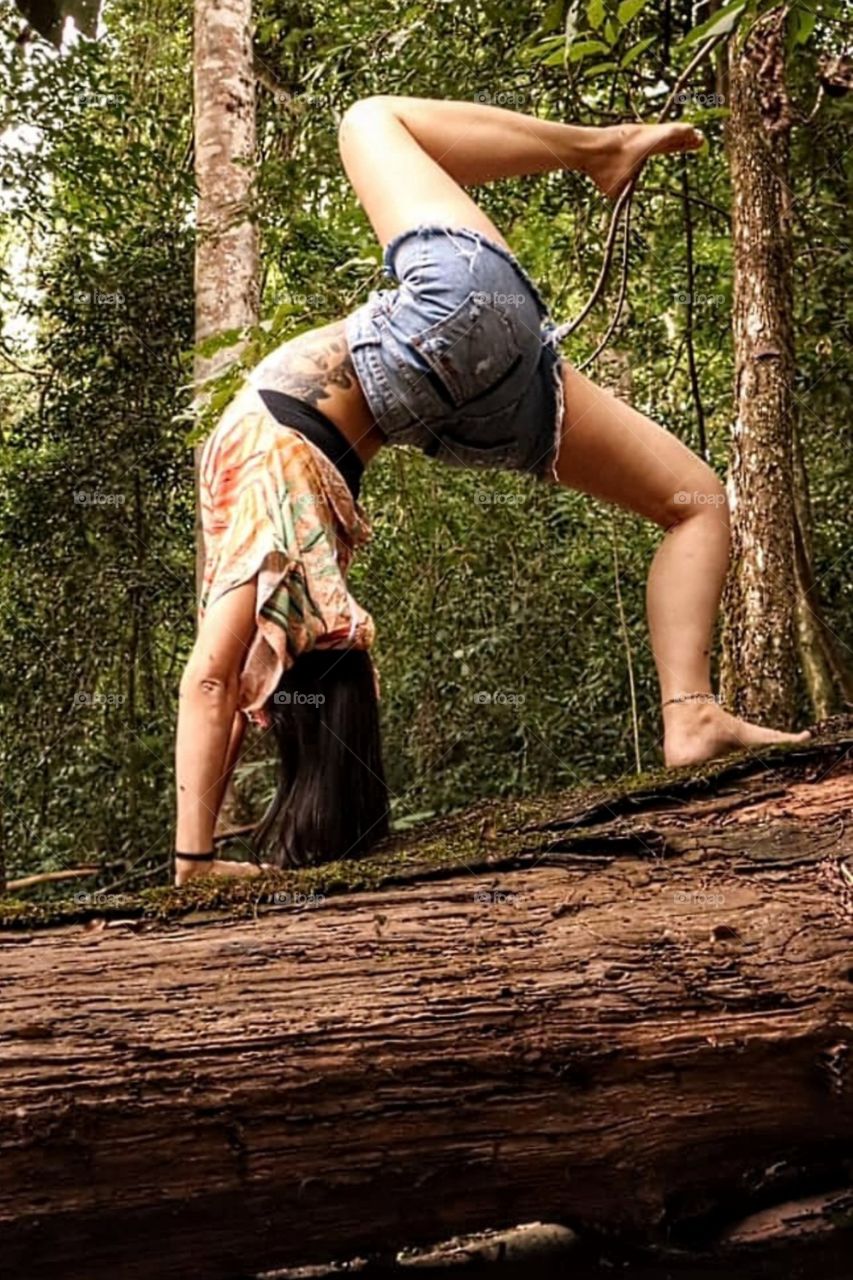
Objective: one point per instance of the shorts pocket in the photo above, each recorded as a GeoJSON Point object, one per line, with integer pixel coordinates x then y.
{"type": "Point", "coordinates": [503, 456]}
{"type": "Point", "coordinates": [471, 351]}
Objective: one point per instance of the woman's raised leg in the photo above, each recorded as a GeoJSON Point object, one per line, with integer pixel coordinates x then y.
{"type": "Point", "coordinates": [615, 453]}
{"type": "Point", "coordinates": [409, 158]}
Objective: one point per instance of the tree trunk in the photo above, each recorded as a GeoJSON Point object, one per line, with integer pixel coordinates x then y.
{"type": "Point", "coordinates": [827, 675]}
{"type": "Point", "coordinates": [759, 670]}
{"type": "Point", "coordinates": [628, 1013]}
{"type": "Point", "coordinates": [226, 260]}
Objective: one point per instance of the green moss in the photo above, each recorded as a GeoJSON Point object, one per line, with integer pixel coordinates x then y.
{"type": "Point", "coordinates": [489, 833]}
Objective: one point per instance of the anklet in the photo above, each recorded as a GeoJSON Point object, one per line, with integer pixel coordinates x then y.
{"type": "Point", "coordinates": [196, 857]}
{"type": "Point", "coordinates": [694, 697]}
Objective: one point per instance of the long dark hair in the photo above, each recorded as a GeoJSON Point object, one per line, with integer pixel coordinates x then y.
{"type": "Point", "coordinates": [331, 800]}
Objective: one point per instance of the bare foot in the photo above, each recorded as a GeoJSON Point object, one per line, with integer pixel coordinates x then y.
{"type": "Point", "coordinates": [186, 871]}
{"type": "Point", "coordinates": [620, 151]}
{"type": "Point", "coordinates": [697, 731]}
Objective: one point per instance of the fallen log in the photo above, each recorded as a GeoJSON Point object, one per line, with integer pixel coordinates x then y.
{"type": "Point", "coordinates": [628, 1012]}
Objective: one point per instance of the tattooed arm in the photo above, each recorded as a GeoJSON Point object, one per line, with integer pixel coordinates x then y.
{"type": "Point", "coordinates": [315, 367]}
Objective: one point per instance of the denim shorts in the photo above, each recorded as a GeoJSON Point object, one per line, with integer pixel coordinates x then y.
{"type": "Point", "coordinates": [459, 359]}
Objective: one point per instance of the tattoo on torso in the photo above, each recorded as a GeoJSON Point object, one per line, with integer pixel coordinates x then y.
{"type": "Point", "coordinates": [312, 366]}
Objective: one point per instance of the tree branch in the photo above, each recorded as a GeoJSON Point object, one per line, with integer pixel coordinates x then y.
{"type": "Point", "coordinates": [50, 877]}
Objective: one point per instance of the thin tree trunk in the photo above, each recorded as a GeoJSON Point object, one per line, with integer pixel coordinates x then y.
{"type": "Point", "coordinates": [827, 676]}
{"type": "Point", "coordinates": [759, 670]}
{"type": "Point", "coordinates": [226, 262]}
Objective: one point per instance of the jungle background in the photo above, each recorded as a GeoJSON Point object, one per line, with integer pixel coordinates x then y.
{"type": "Point", "coordinates": [512, 643]}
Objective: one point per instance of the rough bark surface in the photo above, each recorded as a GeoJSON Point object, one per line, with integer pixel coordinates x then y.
{"type": "Point", "coordinates": [631, 1016]}
{"type": "Point", "coordinates": [826, 671]}
{"type": "Point", "coordinates": [226, 269]}
{"type": "Point", "coordinates": [759, 675]}
{"type": "Point", "coordinates": [226, 260]}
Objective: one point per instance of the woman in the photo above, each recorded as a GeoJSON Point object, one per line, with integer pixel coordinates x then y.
{"type": "Point", "coordinates": [458, 360]}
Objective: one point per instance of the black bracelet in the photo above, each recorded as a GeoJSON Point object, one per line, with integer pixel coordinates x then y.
{"type": "Point", "coordinates": [196, 857]}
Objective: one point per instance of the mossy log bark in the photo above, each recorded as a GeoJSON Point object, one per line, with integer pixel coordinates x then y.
{"type": "Point", "coordinates": [630, 1015]}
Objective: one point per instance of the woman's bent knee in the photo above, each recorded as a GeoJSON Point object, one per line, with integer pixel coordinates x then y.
{"type": "Point", "coordinates": [706, 496]}
{"type": "Point", "coordinates": [360, 114]}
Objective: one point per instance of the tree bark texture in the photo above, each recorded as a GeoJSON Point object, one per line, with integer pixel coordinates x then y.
{"type": "Point", "coordinates": [826, 671]}
{"type": "Point", "coordinates": [631, 1016]}
{"type": "Point", "coordinates": [759, 672]}
{"type": "Point", "coordinates": [226, 260]}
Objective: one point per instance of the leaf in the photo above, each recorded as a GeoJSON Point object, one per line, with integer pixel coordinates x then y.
{"type": "Point", "coordinates": [600, 68]}
{"type": "Point", "coordinates": [553, 16]}
{"type": "Point", "coordinates": [628, 11]}
{"type": "Point", "coordinates": [584, 47]}
{"type": "Point", "coordinates": [718, 24]}
{"type": "Point", "coordinates": [551, 42]}
{"type": "Point", "coordinates": [636, 51]}
{"type": "Point", "coordinates": [803, 26]}
{"type": "Point", "coordinates": [595, 13]}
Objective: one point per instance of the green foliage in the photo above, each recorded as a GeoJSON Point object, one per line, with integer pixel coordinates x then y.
{"type": "Point", "coordinates": [720, 23]}
{"type": "Point", "coordinates": [479, 584]}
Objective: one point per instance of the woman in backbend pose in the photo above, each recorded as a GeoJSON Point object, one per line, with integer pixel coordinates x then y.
{"type": "Point", "coordinates": [459, 361]}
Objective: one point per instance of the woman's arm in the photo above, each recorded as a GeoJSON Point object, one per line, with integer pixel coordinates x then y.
{"type": "Point", "coordinates": [208, 703]}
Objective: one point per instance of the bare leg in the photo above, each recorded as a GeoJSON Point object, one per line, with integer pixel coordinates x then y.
{"type": "Point", "coordinates": [611, 451]}
{"type": "Point", "coordinates": [408, 158]}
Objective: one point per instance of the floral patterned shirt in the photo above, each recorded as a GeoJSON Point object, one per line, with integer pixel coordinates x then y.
{"type": "Point", "coordinates": [276, 510]}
